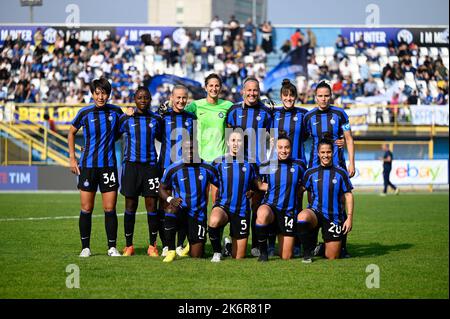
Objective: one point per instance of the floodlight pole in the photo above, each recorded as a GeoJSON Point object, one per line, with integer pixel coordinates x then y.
{"type": "Point", "coordinates": [31, 14]}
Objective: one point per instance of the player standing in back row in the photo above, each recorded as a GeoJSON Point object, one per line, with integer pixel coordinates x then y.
{"type": "Point", "coordinates": [331, 122]}
{"type": "Point", "coordinates": [211, 115]}
{"type": "Point", "coordinates": [97, 167]}
{"type": "Point", "coordinates": [176, 126]}
{"type": "Point", "coordinates": [289, 119]}
{"type": "Point", "coordinates": [140, 172]}
{"type": "Point", "coordinates": [255, 119]}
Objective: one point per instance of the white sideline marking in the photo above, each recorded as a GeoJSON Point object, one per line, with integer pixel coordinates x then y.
{"type": "Point", "coordinates": [55, 217]}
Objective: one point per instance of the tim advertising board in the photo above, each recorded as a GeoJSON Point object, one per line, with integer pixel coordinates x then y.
{"type": "Point", "coordinates": [414, 172]}
{"type": "Point", "coordinates": [18, 178]}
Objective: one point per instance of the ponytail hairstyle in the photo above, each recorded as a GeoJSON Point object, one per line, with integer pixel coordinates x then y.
{"type": "Point", "coordinates": [287, 87]}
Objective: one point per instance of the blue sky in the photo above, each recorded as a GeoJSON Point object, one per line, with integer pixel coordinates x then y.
{"type": "Point", "coordinates": [411, 12]}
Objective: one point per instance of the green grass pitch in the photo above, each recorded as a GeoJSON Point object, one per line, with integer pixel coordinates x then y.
{"type": "Point", "coordinates": [406, 236]}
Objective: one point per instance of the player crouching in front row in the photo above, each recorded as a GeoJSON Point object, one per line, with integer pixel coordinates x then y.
{"type": "Point", "coordinates": [188, 180]}
{"type": "Point", "coordinates": [283, 196]}
{"type": "Point", "coordinates": [326, 184]}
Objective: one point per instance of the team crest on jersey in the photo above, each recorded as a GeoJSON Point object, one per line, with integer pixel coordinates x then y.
{"type": "Point", "coordinates": [221, 115]}
{"type": "Point", "coordinates": [187, 123]}
{"type": "Point", "coordinates": [86, 183]}
{"type": "Point", "coordinates": [332, 121]}
{"type": "Point", "coordinates": [110, 118]}
{"type": "Point", "coordinates": [150, 125]}
{"type": "Point", "coordinates": [292, 170]}
{"type": "Point", "coordinates": [200, 177]}
{"type": "Point", "coordinates": [244, 169]}
{"type": "Point", "coordinates": [295, 119]}
{"type": "Point", "coordinates": [334, 181]}
{"type": "Point", "coordinates": [258, 117]}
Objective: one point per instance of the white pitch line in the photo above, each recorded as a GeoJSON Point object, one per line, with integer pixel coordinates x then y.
{"type": "Point", "coordinates": [55, 217]}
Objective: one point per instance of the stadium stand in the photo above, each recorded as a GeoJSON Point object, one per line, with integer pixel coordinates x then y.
{"type": "Point", "coordinates": [60, 72]}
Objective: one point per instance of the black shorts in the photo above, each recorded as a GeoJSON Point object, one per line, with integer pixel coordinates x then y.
{"type": "Point", "coordinates": [330, 230]}
{"type": "Point", "coordinates": [196, 230]}
{"type": "Point", "coordinates": [284, 223]}
{"type": "Point", "coordinates": [105, 178]}
{"type": "Point", "coordinates": [140, 179]}
{"type": "Point", "coordinates": [239, 226]}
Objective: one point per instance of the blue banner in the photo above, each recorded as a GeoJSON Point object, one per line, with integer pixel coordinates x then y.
{"type": "Point", "coordinates": [135, 33]}
{"type": "Point", "coordinates": [293, 65]}
{"type": "Point", "coordinates": [18, 178]}
{"type": "Point", "coordinates": [194, 87]}
{"type": "Point", "coordinates": [377, 36]}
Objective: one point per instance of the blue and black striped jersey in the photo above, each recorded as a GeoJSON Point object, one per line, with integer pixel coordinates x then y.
{"type": "Point", "coordinates": [140, 132]}
{"type": "Point", "coordinates": [255, 121]}
{"type": "Point", "coordinates": [100, 131]}
{"type": "Point", "coordinates": [327, 184]}
{"type": "Point", "coordinates": [236, 177]}
{"type": "Point", "coordinates": [284, 179]}
{"type": "Point", "coordinates": [173, 127]}
{"type": "Point", "coordinates": [333, 122]}
{"type": "Point", "coordinates": [189, 182]}
{"type": "Point", "coordinates": [291, 121]}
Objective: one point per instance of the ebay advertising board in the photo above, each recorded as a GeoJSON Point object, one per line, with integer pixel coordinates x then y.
{"type": "Point", "coordinates": [404, 172]}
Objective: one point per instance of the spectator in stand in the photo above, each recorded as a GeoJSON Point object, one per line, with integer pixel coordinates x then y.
{"type": "Point", "coordinates": [19, 93]}
{"type": "Point", "coordinates": [413, 99]}
{"type": "Point", "coordinates": [441, 72]}
{"type": "Point", "coordinates": [387, 75]}
{"type": "Point", "coordinates": [286, 47]}
{"type": "Point", "coordinates": [167, 49]}
{"type": "Point", "coordinates": [361, 45]}
{"type": "Point", "coordinates": [338, 87]}
{"type": "Point", "coordinates": [339, 44]}
{"type": "Point", "coordinates": [238, 46]}
{"type": "Point", "coordinates": [413, 48]}
{"type": "Point", "coordinates": [333, 65]}
{"type": "Point", "coordinates": [324, 72]}
{"type": "Point", "coordinates": [234, 27]}
{"type": "Point", "coordinates": [344, 68]}
{"type": "Point", "coordinates": [249, 36]}
{"type": "Point", "coordinates": [266, 43]}
{"type": "Point", "coordinates": [392, 49]}
{"type": "Point", "coordinates": [407, 66]}
{"type": "Point", "coordinates": [398, 72]}
{"type": "Point", "coordinates": [312, 39]}
{"type": "Point", "coordinates": [370, 87]}
{"type": "Point", "coordinates": [72, 98]}
{"type": "Point", "coordinates": [217, 30]}
{"type": "Point", "coordinates": [38, 37]}
{"type": "Point", "coordinates": [296, 39]}
{"type": "Point", "coordinates": [372, 54]}
{"type": "Point", "coordinates": [259, 55]}
{"type": "Point", "coordinates": [393, 107]}
{"type": "Point", "coordinates": [313, 70]}
{"type": "Point", "coordinates": [32, 94]}
{"type": "Point", "coordinates": [364, 71]}
{"type": "Point", "coordinates": [440, 98]}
